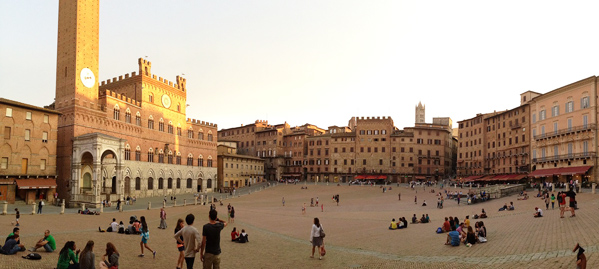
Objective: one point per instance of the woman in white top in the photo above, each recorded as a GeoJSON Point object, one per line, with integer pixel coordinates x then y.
{"type": "Point", "coordinates": [315, 238]}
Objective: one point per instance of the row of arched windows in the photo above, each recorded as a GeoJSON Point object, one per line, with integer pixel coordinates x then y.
{"type": "Point", "coordinates": [170, 129]}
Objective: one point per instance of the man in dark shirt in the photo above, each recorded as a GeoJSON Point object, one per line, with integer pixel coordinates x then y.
{"type": "Point", "coordinates": [210, 249]}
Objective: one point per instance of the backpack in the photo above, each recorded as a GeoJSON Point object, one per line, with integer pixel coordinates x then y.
{"type": "Point", "coordinates": [32, 256]}
{"type": "Point", "coordinates": [439, 230]}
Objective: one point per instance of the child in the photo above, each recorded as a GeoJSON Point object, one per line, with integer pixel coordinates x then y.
{"type": "Point", "coordinates": [304, 209]}
{"type": "Point", "coordinates": [18, 216]}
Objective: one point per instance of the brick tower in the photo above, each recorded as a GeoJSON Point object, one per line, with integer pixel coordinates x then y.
{"type": "Point", "coordinates": [76, 77]}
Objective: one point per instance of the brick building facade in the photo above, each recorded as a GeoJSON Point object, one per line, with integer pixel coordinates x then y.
{"type": "Point", "coordinates": [128, 136]}
{"type": "Point", "coordinates": [27, 152]}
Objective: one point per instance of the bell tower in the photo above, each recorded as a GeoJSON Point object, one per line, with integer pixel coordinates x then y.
{"type": "Point", "coordinates": [77, 54]}
{"type": "Point", "coordinates": [77, 90]}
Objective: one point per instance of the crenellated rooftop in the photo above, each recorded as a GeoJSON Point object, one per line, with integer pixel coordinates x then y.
{"type": "Point", "coordinates": [203, 123]}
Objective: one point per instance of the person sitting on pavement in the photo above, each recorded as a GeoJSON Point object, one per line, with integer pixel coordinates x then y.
{"type": "Point", "coordinates": [511, 207]}
{"type": "Point", "coordinates": [11, 246]}
{"type": "Point", "coordinates": [504, 207]}
{"type": "Point", "coordinates": [483, 215]}
{"type": "Point", "coordinates": [538, 212]}
{"type": "Point", "coordinates": [453, 238]}
{"type": "Point", "coordinates": [470, 237]}
{"type": "Point", "coordinates": [446, 227]}
{"type": "Point", "coordinates": [424, 203]}
{"type": "Point", "coordinates": [414, 219]}
{"type": "Point", "coordinates": [234, 234]}
{"type": "Point", "coordinates": [243, 238]}
{"type": "Point", "coordinates": [16, 231]}
{"type": "Point", "coordinates": [47, 242]}
{"type": "Point", "coordinates": [428, 219]}
{"type": "Point", "coordinates": [405, 222]}
{"type": "Point", "coordinates": [393, 225]}
{"type": "Point", "coordinates": [460, 230]}
{"type": "Point", "coordinates": [422, 219]}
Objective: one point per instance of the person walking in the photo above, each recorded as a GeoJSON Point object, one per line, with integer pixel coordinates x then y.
{"type": "Point", "coordinates": [547, 201]}
{"type": "Point", "coordinates": [39, 206]}
{"type": "Point", "coordinates": [145, 235]}
{"type": "Point", "coordinates": [17, 216]}
{"type": "Point", "coordinates": [283, 201]}
{"type": "Point", "coordinates": [552, 201]}
{"type": "Point", "coordinates": [316, 237]}
{"type": "Point", "coordinates": [180, 244]}
{"type": "Point", "coordinates": [232, 214]}
{"type": "Point", "coordinates": [210, 247]}
{"type": "Point", "coordinates": [162, 219]}
{"type": "Point", "coordinates": [229, 212]}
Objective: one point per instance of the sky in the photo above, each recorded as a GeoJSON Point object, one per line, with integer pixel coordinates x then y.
{"type": "Point", "coordinates": [316, 61]}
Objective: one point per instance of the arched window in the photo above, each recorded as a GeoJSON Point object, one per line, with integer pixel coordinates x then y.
{"type": "Point", "coordinates": [151, 155]}
{"type": "Point", "coordinates": [138, 119]}
{"type": "Point", "coordinates": [170, 183]}
{"type": "Point", "coordinates": [161, 125]}
{"type": "Point", "coordinates": [200, 161]}
{"type": "Point", "coordinates": [189, 159]}
{"type": "Point", "coordinates": [170, 127]}
{"type": "Point", "coordinates": [179, 158]}
{"type": "Point", "coordinates": [138, 154]}
{"type": "Point", "coordinates": [209, 164]}
{"type": "Point", "coordinates": [127, 152]}
{"type": "Point", "coordinates": [128, 116]}
{"type": "Point", "coordinates": [178, 183]}
{"type": "Point", "coordinates": [189, 183]}
{"type": "Point", "coordinates": [150, 183]}
{"type": "Point", "coordinates": [209, 183]}
{"type": "Point", "coordinates": [160, 156]}
{"type": "Point", "coordinates": [116, 112]}
{"type": "Point", "coordinates": [201, 135]}
{"type": "Point", "coordinates": [209, 135]}
{"type": "Point", "coordinates": [137, 183]}
{"type": "Point", "coordinates": [170, 157]}
{"type": "Point", "coordinates": [161, 183]}
{"type": "Point", "coordinates": [151, 122]}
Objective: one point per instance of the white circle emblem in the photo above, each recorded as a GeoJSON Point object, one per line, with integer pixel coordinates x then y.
{"type": "Point", "coordinates": [166, 101]}
{"type": "Point", "coordinates": [87, 77]}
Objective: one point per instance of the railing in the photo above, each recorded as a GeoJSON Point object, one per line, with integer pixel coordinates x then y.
{"type": "Point", "coordinates": [564, 157]}
{"type": "Point", "coordinates": [565, 131]}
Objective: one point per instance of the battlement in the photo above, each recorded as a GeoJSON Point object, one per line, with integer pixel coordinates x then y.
{"type": "Point", "coordinates": [121, 97]}
{"type": "Point", "coordinates": [203, 123]}
{"type": "Point", "coordinates": [145, 68]}
{"type": "Point", "coordinates": [262, 121]}
{"type": "Point", "coordinates": [374, 118]}
{"type": "Point", "coordinates": [117, 79]}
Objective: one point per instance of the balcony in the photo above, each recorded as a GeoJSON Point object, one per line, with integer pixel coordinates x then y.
{"type": "Point", "coordinates": [424, 156]}
{"type": "Point", "coordinates": [566, 131]}
{"type": "Point", "coordinates": [571, 156]}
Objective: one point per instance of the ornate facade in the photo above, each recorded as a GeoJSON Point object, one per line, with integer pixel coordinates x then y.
{"type": "Point", "coordinates": [127, 136]}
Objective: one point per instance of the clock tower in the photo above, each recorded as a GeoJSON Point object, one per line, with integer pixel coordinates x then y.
{"type": "Point", "coordinates": [77, 54]}
{"type": "Point", "coordinates": [77, 91]}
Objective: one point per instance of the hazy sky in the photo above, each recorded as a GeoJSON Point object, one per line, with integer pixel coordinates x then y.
{"type": "Point", "coordinates": [319, 61]}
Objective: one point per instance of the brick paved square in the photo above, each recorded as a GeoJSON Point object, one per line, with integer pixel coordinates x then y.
{"type": "Point", "coordinates": [357, 234]}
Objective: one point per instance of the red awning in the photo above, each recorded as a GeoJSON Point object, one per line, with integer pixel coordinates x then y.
{"type": "Point", "coordinates": [420, 177]}
{"type": "Point", "coordinates": [36, 183]}
{"type": "Point", "coordinates": [516, 177]}
{"type": "Point", "coordinates": [382, 177]}
{"type": "Point", "coordinates": [360, 177]}
{"type": "Point", "coordinates": [578, 170]}
{"type": "Point", "coordinates": [544, 172]}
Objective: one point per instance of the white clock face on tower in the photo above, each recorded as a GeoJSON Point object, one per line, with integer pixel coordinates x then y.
{"type": "Point", "coordinates": [166, 101]}
{"type": "Point", "coordinates": [87, 77]}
